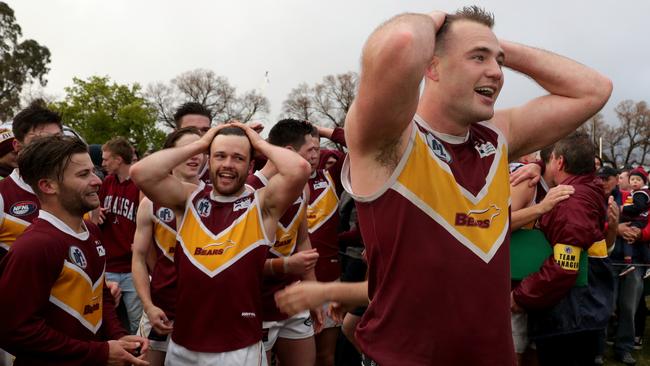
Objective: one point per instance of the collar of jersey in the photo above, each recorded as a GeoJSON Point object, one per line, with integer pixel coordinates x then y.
{"type": "Point", "coordinates": [450, 139]}
{"type": "Point", "coordinates": [62, 226]}
{"type": "Point", "coordinates": [247, 191]}
{"type": "Point", "coordinates": [15, 175]}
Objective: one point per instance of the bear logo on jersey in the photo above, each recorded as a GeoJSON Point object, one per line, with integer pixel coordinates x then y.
{"type": "Point", "coordinates": [77, 257]}
{"type": "Point", "coordinates": [214, 248]}
{"type": "Point", "coordinates": [438, 148]}
{"type": "Point", "coordinates": [204, 207]}
{"type": "Point", "coordinates": [23, 208]}
{"type": "Point", "coordinates": [478, 218]}
{"type": "Point", "coordinates": [165, 214]}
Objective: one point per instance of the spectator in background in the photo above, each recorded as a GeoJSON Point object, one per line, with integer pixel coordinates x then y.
{"type": "Point", "coordinates": [116, 217]}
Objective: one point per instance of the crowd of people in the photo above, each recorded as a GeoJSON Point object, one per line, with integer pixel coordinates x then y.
{"type": "Point", "coordinates": [418, 243]}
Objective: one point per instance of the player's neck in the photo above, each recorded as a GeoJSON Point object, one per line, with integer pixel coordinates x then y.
{"type": "Point", "coordinates": [122, 172]}
{"type": "Point", "coordinates": [75, 222]}
{"type": "Point", "coordinates": [440, 120]}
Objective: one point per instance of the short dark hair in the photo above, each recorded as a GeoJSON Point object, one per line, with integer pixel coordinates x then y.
{"type": "Point", "coordinates": [191, 108]}
{"type": "Point", "coordinates": [235, 131]}
{"type": "Point", "coordinates": [291, 132]}
{"type": "Point", "coordinates": [121, 147]}
{"type": "Point", "coordinates": [472, 13]}
{"type": "Point", "coordinates": [36, 114]}
{"type": "Point", "coordinates": [578, 151]}
{"type": "Point", "coordinates": [47, 158]}
{"type": "Point", "coordinates": [171, 139]}
{"type": "Point", "coordinates": [545, 153]}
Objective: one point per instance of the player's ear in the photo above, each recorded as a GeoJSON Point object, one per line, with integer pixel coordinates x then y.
{"type": "Point", "coordinates": [47, 186]}
{"type": "Point", "coordinates": [431, 71]}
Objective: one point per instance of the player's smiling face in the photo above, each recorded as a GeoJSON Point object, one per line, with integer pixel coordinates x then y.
{"type": "Point", "coordinates": [229, 163]}
{"type": "Point", "coordinates": [468, 71]}
{"type": "Point", "coordinates": [190, 168]}
{"type": "Point", "coordinates": [78, 190]}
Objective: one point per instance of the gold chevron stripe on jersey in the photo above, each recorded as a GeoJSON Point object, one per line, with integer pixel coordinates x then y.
{"type": "Point", "coordinates": [165, 238]}
{"type": "Point", "coordinates": [323, 207]}
{"type": "Point", "coordinates": [479, 222]}
{"type": "Point", "coordinates": [10, 230]}
{"type": "Point", "coordinates": [75, 294]}
{"type": "Point", "coordinates": [286, 238]}
{"type": "Point", "coordinates": [212, 253]}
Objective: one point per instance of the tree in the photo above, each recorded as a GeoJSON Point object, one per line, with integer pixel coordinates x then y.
{"type": "Point", "coordinates": [100, 109]}
{"type": "Point", "coordinates": [213, 91]}
{"type": "Point", "coordinates": [326, 103]}
{"type": "Point", "coordinates": [628, 141]}
{"type": "Point", "coordinates": [21, 63]}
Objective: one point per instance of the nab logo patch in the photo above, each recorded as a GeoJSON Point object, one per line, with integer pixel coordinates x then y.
{"type": "Point", "coordinates": [438, 148]}
{"type": "Point", "coordinates": [23, 208]}
{"type": "Point", "coordinates": [320, 185]}
{"type": "Point", "coordinates": [478, 218]}
{"type": "Point", "coordinates": [165, 214]}
{"type": "Point", "coordinates": [242, 205]}
{"type": "Point", "coordinates": [485, 149]}
{"type": "Point", "coordinates": [77, 257]}
{"type": "Point", "coordinates": [204, 207]}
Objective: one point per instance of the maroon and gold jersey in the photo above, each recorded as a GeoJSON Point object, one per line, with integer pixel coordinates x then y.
{"type": "Point", "coordinates": [163, 277]}
{"type": "Point", "coordinates": [220, 262]}
{"type": "Point", "coordinates": [120, 201]}
{"type": "Point", "coordinates": [53, 287]}
{"type": "Point", "coordinates": [18, 208]}
{"type": "Point", "coordinates": [323, 224]}
{"type": "Point", "coordinates": [436, 237]}
{"type": "Point", "coordinates": [286, 238]}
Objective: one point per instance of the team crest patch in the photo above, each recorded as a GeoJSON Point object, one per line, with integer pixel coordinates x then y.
{"type": "Point", "coordinates": [165, 214]}
{"type": "Point", "coordinates": [485, 149]}
{"type": "Point", "coordinates": [100, 250]}
{"type": "Point", "coordinates": [204, 207]}
{"type": "Point", "coordinates": [77, 257]}
{"type": "Point", "coordinates": [23, 208]}
{"type": "Point", "coordinates": [438, 148]}
{"type": "Point", "coordinates": [242, 205]}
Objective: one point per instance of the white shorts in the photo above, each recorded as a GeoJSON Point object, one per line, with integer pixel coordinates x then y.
{"type": "Point", "coordinates": [519, 322]}
{"type": "Point", "coordinates": [328, 322]}
{"type": "Point", "coordinates": [145, 329]}
{"type": "Point", "coordinates": [252, 355]}
{"type": "Point", "coordinates": [298, 326]}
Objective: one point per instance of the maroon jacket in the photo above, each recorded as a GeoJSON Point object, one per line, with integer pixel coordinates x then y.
{"type": "Point", "coordinates": [577, 221]}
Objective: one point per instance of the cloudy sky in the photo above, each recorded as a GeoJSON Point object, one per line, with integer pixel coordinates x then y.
{"type": "Point", "coordinates": [301, 41]}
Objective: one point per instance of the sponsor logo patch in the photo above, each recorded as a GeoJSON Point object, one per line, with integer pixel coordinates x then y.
{"type": "Point", "coordinates": [23, 208]}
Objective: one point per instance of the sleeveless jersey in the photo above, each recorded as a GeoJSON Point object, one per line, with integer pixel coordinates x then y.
{"type": "Point", "coordinates": [121, 200]}
{"type": "Point", "coordinates": [18, 208]}
{"type": "Point", "coordinates": [163, 277]}
{"type": "Point", "coordinates": [323, 223]}
{"type": "Point", "coordinates": [437, 237]}
{"type": "Point", "coordinates": [220, 263]}
{"type": "Point", "coordinates": [286, 237]}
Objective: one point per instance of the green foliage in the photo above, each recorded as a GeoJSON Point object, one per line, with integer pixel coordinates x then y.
{"type": "Point", "coordinates": [100, 109]}
{"type": "Point", "coordinates": [21, 63]}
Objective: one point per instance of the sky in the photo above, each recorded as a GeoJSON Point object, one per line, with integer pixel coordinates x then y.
{"type": "Point", "coordinates": [147, 41]}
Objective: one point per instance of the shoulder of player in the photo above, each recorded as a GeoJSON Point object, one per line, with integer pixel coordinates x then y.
{"type": "Point", "coordinates": [39, 237]}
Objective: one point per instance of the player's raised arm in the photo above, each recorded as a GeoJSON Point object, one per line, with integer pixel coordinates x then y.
{"type": "Point", "coordinates": [576, 92]}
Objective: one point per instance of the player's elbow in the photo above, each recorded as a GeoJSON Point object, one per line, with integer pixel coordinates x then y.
{"type": "Point", "coordinates": [599, 92]}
